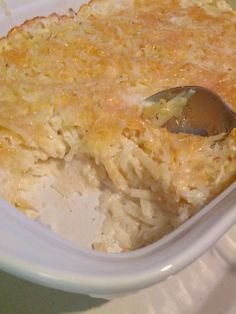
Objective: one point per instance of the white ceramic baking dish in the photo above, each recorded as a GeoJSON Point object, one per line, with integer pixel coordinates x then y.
{"type": "Point", "coordinates": [31, 251]}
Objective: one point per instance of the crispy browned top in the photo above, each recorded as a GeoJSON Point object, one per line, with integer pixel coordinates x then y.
{"type": "Point", "coordinates": [79, 79]}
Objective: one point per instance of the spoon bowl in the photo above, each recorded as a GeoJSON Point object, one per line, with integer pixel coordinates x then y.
{"type": "Point", "coordinates": [205, 112]}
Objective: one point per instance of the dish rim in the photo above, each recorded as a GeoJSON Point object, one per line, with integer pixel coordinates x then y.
{"type": "Point", "coordinates": [112, 285]}
{"type": "Point", "coordinates": [167, 256]}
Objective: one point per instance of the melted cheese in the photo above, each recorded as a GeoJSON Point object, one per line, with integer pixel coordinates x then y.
{"type": "Point", "coordinates": [74, 83]}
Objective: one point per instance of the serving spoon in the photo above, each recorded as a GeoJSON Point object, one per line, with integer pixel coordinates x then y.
{"type": "Point", "coordinates": [204, 114]}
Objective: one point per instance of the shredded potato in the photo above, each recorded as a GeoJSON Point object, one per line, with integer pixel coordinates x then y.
{"type": "Point", "coordinates": [70, 94]}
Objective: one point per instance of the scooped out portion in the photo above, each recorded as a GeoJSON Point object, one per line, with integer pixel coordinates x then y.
{"type": "Point", "coordinates": [70, 94]}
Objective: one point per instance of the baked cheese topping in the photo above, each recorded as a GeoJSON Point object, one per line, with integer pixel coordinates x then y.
{"type": "Point", "coordinates": [71, 88]}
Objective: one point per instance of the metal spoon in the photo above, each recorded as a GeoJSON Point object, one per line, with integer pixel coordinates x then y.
{"type": "Point", "coordinates": [205, 113]}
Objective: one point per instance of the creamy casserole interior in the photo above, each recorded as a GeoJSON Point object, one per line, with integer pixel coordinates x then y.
{"type": "Point", "coordinates": [70, 94]}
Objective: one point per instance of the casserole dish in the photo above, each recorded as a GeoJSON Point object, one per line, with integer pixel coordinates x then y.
{"type": "Point", "coordinates": [30, 251]}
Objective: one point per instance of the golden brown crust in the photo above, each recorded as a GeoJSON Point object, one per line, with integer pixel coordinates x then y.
{"type": "Point", "coordinates": [75, 82]}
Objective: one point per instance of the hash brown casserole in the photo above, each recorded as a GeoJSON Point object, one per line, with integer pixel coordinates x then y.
{"type": "Point", "coordinates": [70, 94]}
